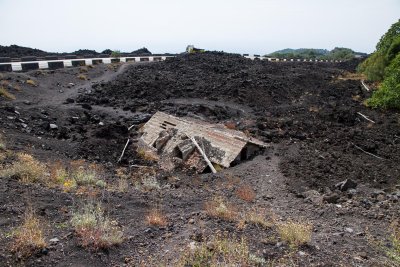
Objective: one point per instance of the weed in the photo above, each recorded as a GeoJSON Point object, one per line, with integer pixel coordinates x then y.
{"type": "Point", "coordinates": [82, 77]}
{"type": "Point", "coordinates": [220, 209]}
{"type": "Point", "coordinates": [2, 143]}
{"type": "Point", "coordinates": [390, 245]}
{"type": "Point", "coordinates": [156, 217]}
{"type": "Point", "coordinates": [28, 238]}
{"type": "Point", "coordinates": [258, 217]}
{"type": "Point", "coordinates": [26, 168]}
{"type": "Point", "coordinates": [5, 94]}
{"type": "Point", "coordinates": [83, 69]}
{"type": "Point", "coordinates": [94, 229]}
{"type": "Point", "coordinates": [220, 251]}
{"type": "Point", "coordinates": [246, 193]}
{"type": "Point", "coordinates": [394, 250]}
{"type": "Point", "coordinates": [58, 173]}
{"type": "Point", "coordinates": [31, 82]}
{"type": "Point", "coordinates": [146, 154]}
{"type": "Point", "coordinates": [295, 233]}
{"type": "Point", "coordinates": [84, 175]}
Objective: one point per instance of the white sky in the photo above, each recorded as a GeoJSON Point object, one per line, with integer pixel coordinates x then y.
{"type": "Point", "coordinates": [241, 26]}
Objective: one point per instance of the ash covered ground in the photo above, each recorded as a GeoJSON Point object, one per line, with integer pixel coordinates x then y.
{"type": "Point", "coordinates": [308, 112]}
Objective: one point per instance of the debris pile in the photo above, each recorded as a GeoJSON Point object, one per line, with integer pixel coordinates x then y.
{"type": "Point", "coordinates": [196, 144]}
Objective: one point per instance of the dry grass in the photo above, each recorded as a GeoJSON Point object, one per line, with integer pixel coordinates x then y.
{"type": "Point", "coordinates": [82, 77]}
{"type": "Point", "coordinates": [390, 245]}
{"type": "Point", "coordinates": [394, 251]}
{"type": "Point", "coordinates": [258, 217]}
{"type": "Point", "coordinates": [295, 233]}
{"type": "Point", "coordinates": [83, 69]}
{"type": "Point", "coordinates": [26, 168]}
{"type": "Point", "coordinates": [220, 251]}
{"type": "Point", "coordinates": [156, 217]}
{"type": "Point", "coordinates": [146, 154]}
{"type": "Point", "coordinates": [230, 125]}
{"type": "Point", "coordinates": [31, 82]}
{"type": "Point", "coordinates": [219, 208]}
{"type": "Point", "coordinates": [5, 94]}
{"type": "Point", "coordinates": [95, 230]}
{"type": "Point", "coordinates": [246, 193]}
{"type": "Point", "coordinates": [2, 143]}
{"type": "Point", "coordinates": [28, 238]}
{"type": "Point", "coordinates": [87, 174]}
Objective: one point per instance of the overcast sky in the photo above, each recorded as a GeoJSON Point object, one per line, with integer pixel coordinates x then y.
{"type": "Point", "coordinates": [241, 26]}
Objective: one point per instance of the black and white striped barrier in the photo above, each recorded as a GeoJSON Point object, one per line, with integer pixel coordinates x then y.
{"type": "Point", "coordinates": [26, 65]}
{"type": "Point", "coordinates": [257, 57]}
{"type": "Point", "coordinates": [32, 63]}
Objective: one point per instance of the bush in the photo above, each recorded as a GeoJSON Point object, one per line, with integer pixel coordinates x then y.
{"type": "Point", "coordinates": [388, 94]}
{"type": "Point", "coordinates": [31, 82]}
{"type": "Point", "coordinates": [26, 168]}
{"type": "Point", "coordinates": [156, 217]}
{"type": "Point", "coordinates": [116, 54]}
{"type": "Point", "coordinates": [28, 238]}
{"type": "Point", "coordinates": [5, 94]}
{"type": "Point", "coordinates": [95, 230]}
{"type": "Point", "coordinates": [295, 233]}
{"type": "Point", "coordinates": [220, 251]}
{"type": "Point", "coordinates": [220, 209]}
{"type": "Point", "coordinates": [246, 193]}
{"type": "Point", "coordinates": [374, 67]}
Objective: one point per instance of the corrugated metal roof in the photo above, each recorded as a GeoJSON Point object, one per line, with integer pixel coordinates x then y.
{"type": "Point", "coordinates": [229, 142]}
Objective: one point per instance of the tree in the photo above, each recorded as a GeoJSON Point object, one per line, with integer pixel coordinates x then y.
{"type": "Point", "coordinates": [116, 54]}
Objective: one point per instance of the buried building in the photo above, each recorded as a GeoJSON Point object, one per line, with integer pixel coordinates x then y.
{"type": "Point", "coordinates": [196, 144]}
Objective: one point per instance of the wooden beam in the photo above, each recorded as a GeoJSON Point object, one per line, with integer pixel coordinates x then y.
{"type": "Point", "coordinates": [204, 155]}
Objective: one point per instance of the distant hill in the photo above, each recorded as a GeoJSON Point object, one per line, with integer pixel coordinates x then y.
{"type": "Point", "coordinates": [15, 51]}
{"type": "Point", "coordinates": [338, 53]}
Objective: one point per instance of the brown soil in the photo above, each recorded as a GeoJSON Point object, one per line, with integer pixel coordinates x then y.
{"type": "Point", "coordinates": [308, 115]}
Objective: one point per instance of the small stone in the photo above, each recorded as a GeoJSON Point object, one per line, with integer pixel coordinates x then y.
{"type": "Point", "coordinates": [349, 230]}
{"type": "Point", "coordinates": [53, 126]}
{"type": "Point", "coordinates": [332, 198]}
{"type": "Point", "coordinates": [101, 123]}
{"type": "Point", "coordinates": [301, 253]}
{"type": "Point", "coordinates": [346, 185]}
{"type": "Point", "coordinates": [24, 125]}
{"type": "Point", "coordinates": [192, 245]}
{"type": "Point", "coordinates": [26, 102]}
{"type": "Point", "coordinates": [191, 221]}
{"type": "Point", "coordinates": [54, 240]}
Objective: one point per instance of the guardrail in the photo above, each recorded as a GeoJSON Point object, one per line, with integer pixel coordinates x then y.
{"type": "Point", "coordinates": [35, 64]}
{"type": "Point", "coordinates": [53, 62]}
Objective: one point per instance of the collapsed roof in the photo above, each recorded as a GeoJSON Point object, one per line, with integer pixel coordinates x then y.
{"type": "Point", "coordinates": [177, 137]}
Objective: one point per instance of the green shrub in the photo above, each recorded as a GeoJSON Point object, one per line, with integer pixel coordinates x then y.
{"type": "Point", "coordinates": [374, 67]}
{"type": "Point", "coordinates": [388, 94]}
{"type": "Point", "coordinates": [94, 229]}
{"type": "Point", "coordinates": [116, 54]}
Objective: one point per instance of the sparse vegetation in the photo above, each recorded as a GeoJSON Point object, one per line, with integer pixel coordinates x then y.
{"type": "Point", "coordinates": [390, 245]}
{"type": "Point", "coordinates": [82, 77]}
{"type": "Point", "coordinates": [258, 217]}
{"type": "Point", "coordinates": [219, 208]}
{"type": "Point", "coordinates": [5, 94]}
{"type": "Point", "coordinates": [26, 168]}
{"type": "Point", "coordinates": [28, 238]}
{"type": "Point", "coordinates": [94, 229]}
{"type": "Point", "coordinates": [246, 193]}
{"type": "Point", "coordinates": [2, 143]}
{"type": "Point", "coordinates": [221, 251]}
{"type": "Point", "coordinates": [156, 217]}
{"type": "Point", "coordinates": [295, 233]}
{"type": "Point", "coordinates": [31, 82]}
